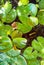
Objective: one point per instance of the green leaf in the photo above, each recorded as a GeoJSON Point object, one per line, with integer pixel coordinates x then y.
{"type": "Point", "coordinates": [1, 25]}
{"type": "Point", "coordinates": [7, 7]}
{"type": "Point", "coordinates": [23, 2]}
{"type": "Point", "coordinates": [38, 45]}
{"type": "Point", "coordinates": [12, 53]}
{"type": "Point", "coordinates": [29, 9]}
{"type": "Point", "coordinates": [42, 62]}
{"type": "Point", "coordinates": [29, 55]}
{"type": "Point", "coordinates": [20, 42]}
{"type": "Point", "coordinates": [11, 16]}
{"type": "Point", "coordinates": [41, 4]}
{"type": "Point", "coordinates": [7, 29]}
{"type": "Point", "coordinates": [34, 62]}
{"type": "Point", "coordinates": [25, 25]}
{"type": "Point", "coordinates": [23, 10]}
{"type": "Point", "coordinates": [5, 43]}
{"type": "Point", "coordinates": [8, 18]}
{"type": "Point", "coordinates": [33, 20]}
{"type": "Point", "coordinates": [16, 34]}
{"type": "Point", "coordinates": [41, 17]}
{"type": "Point", "coordinates": [37, 0]}
{"type": "Point", "coordinates": [4, 63]}
{"type": "Point", "coordinates": [20, 60]}
{"type": "Point", "coordinates": [23, 28]}
{"type": "Point", "coordinates": [33, 9]}
{"type": "Point", "coordinates": [2, 33]}
{"type": "Point", "coordinates": [3, 15]}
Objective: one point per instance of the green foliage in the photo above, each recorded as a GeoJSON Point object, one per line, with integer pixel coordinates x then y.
{"type": "Point", "coordinates": [39, 46]}
{"type": "Point", "coordinates": [24, 27]}
{"type": "Point", "coordinates": [36, 51]}
{"type": "Point", "coordinates": [41, 17]}
{"type": "Point", "coordinates": [41, 4]}
{"type": "Point", "coordinates": [13, 47]}
{"type": "Point", "coordinates": [8, 14]}
{"type": "Point", "coordinates": [6, 60]}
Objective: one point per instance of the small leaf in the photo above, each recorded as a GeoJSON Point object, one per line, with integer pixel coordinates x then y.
{"type": "Point", "coordinates": [5, 44]}
{"type": "Point", "coordinates": [20, 60]}
{"type": "Point", "coordinates": [29, 55]}
{"type": "Point", "coordinates": [34, 20]}
{"type": "Point", "coordinates": [41, 4]}
{"type": "Point", "coordinates": [42, 62]}
{"type": "Point", "coordinates": [4, 63]}
{"type": "Point", "coordinates": [11, 16]}
{"type": "Point", "coordinates": [34, 62]}
{"type": "Point", "coordinates": [16, 34]}
{"type": "Point", "coordinates": [23, 28]}
{"type": "Point", "coordinates": [7, 7]}
{"type": "Point", "coordinates": [41, 17]}
{"type": "Point", "coordinates": [20, 42]}
{"type": "Point", "coordinates": [12, 53]}
{"type": "Point", "coordinates": [33, 9]}
{"type": "Point", "coordinates": [23, 2]}
{"type": "Point", "coordinates": [38, 45]}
